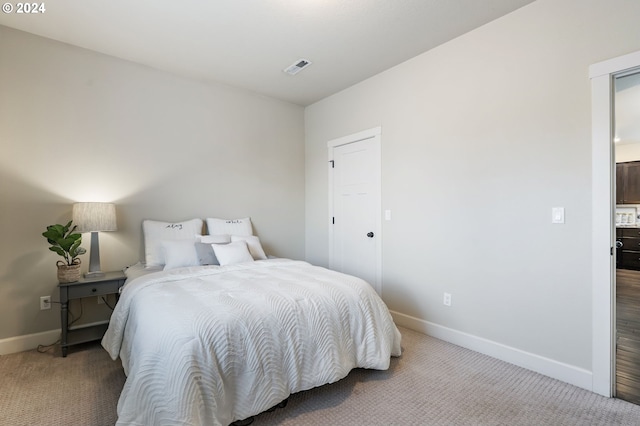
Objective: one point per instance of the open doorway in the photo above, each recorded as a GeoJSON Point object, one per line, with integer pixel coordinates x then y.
{"type": "Point", "coordinates": [626, 148]}
{"type": "Point", "coordinates": [603, 219]}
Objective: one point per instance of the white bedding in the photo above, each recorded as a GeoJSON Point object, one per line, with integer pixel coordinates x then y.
{"type": "Point", "coordinates": [209, 345]}
{"type": "Point", "coordinates": [139, 269]}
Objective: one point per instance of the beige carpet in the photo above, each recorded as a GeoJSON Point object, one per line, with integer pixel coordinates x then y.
{"type": "Point", "coordinates": [46, 389]}
{"type": "Point", "coordinates": [433, 383]}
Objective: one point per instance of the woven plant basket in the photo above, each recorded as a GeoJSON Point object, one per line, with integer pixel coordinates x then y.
{"type": "Point", "coordinates": [68, 273]}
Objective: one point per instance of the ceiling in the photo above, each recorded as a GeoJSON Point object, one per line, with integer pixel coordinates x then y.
{"type": "Point", "coordinates": [248, 43]}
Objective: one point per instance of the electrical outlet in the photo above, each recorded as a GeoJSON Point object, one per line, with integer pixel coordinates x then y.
{"type": "Point", "coordinates": [447, 299]}
{"type": "Point", "coordinates": [45, 303]}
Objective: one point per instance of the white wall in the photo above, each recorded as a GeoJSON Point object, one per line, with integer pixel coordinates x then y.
{"type": "Point", "coordinates": [627, 152]}
{"type": "Point", "coordinates": [627, 117]}
{"type": "Point", "coordinates": [80, 126]}
{"type": "Point", "coordinates": [481, 137]}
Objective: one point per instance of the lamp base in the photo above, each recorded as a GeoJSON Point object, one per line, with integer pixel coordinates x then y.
{"type": "Point", "coordinates": [94, 259]}
{"type": "Point", "coordinates": [91, 275]}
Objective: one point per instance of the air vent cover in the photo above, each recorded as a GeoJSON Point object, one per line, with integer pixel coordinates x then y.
{"type": "Point", "coordinates": [298, 66]}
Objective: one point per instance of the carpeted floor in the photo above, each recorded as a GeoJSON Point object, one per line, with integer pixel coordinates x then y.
{"type": "Point", "coordinates": [433, 383]}
{"type": "Point", "coordinates": [47, 389]}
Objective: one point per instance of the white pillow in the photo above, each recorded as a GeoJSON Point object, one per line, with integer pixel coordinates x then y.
{"type": "Point", "coordinates": [214, 239]}
{"type": "Point", "coordinates": [229, 226]}
{"type": "Point", "coordinates": [206, 256]}
{"type": "Point", "coordinates": [155, 232]}
{"type": "Point", "coordinates": [236, 252]}
{"type": "Point", "coordinates": [179, 253]}
{"type": "Point", "coordinates": [253, 243]}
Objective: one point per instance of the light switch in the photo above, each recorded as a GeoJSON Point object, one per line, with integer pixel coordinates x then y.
{"type": "Point", "coordinates": [557, 215]}
{"type": "Point", "coordinates": [387, 215]}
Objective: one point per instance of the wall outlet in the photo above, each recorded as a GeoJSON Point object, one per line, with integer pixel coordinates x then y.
{"type": "Point", "coordinates": [447, 299]}
{"type": "Point", "coordinates": [45, 303]}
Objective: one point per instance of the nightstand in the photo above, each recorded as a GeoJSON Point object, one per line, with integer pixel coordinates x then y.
{"type": "Point", "coordinates": [110, 283]}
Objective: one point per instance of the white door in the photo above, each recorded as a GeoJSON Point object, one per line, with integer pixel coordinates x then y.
{"type": "Point", "coordinates": [354, 206]}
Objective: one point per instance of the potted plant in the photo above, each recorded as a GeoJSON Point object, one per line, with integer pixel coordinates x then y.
{"type": "Point", "coordinates": [66, 243]}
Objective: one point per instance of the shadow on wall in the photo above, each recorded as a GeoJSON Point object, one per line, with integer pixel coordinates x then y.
{"type": "Point", "coordinates": [201, 194]}
{"type": "Point", "coordinates": [27, 267]}
{"type": "Point", "coordinates": [26, 279]}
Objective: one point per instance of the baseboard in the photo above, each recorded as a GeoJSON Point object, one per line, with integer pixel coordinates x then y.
{"type": "Point", "coordinates": [549, 367]}
{"type": "Point", "coordinates": [27, 342]}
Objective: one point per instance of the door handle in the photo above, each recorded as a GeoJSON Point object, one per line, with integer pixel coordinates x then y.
{"type": "Point", "coordinates": [619, 244]}
{"type": "Point", "coordinates": [370, 234]}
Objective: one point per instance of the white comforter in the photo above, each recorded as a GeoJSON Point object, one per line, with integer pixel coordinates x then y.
{"type": "Point", "coordinates": [211, 345]}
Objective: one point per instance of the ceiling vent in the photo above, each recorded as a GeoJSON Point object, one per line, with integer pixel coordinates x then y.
{"type": "Point", "coordinates": [296, 67]}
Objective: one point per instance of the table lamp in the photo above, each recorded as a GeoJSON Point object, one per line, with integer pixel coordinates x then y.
{"type": "Point", "coordinates": [94, 218]}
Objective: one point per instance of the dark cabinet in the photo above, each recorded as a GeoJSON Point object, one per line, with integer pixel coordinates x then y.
{"type": "Point", "coordinates": [620, 183]}
{"type": "Point", "coordinates": [628, 183]}
{"type": "Point", "coordinates": [628, 248]}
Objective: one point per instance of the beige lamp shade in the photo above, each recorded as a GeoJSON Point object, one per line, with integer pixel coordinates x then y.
{"type": "Point", "coordinates": [94, 217]}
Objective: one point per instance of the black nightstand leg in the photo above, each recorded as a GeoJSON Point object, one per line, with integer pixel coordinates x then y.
{"type": "Point", "coordinates": [64, 317]}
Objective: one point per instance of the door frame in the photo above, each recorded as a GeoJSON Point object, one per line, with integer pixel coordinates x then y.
{"type": "Point", "coordinates": [602, 225]}
{"type": "Point", "coordinates": [374, 134]}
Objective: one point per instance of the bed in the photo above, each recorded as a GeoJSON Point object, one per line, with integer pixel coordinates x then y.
{"type": "Point", "coordinates": [212, 344]}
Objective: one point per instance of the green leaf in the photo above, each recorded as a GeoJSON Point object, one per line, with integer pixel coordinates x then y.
{"type": "Point", "coordinates": [51, 235]}
{"type": "Point", "coordinates": [58, 250]}
{"type": "Point", "coordinates": [75, 249]}
{"type": "Point", "coordinates": [67, 243]}
{"type": "Point", "coordinates": [59, 230]}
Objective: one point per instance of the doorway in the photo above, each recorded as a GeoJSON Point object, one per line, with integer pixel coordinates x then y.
{"type": "Point", "coordinates": [626, 148]}
{"type": "Point", "coordinates": [355, 206]}
{"type": "Point", "coordinates": [603, 220]}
